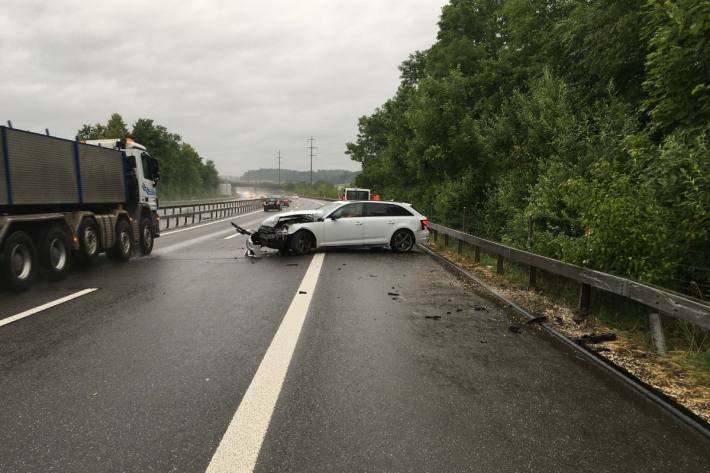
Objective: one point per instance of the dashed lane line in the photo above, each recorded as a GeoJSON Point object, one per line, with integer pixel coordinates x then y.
{"type": "Point", "coordinates": [43, 307]}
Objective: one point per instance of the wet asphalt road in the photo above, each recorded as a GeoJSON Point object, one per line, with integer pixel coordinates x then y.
{"type": "Point", "coordinates": [146, 373]}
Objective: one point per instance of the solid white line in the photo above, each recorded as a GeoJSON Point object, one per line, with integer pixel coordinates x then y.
{"type": "Point", "coordinates": [46, 306]}
{"type": "Point", "coordinates": [231, 236]}
{"type": "Point", "coordinates": [211, 223]}
{"type": "Point", "coordinates": [240, 446]}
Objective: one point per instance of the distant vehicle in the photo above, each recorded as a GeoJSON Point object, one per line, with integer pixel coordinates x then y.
{"type": "Point", "coordinates": [285, 201]}
{"type": "Point", "coordinates": [65, 200]}
{"type": "Point", "coordinates": [295, 196]}
{"type": "Point", "coordinates": [352, 193]}
{"type": "Point", "coordinates": [272, 203]}
{"type": "Point", "coordinates": [342, 223]}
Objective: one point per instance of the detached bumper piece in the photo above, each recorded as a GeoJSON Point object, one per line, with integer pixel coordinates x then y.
{"type": "Point", "coordinates": [269, 237]}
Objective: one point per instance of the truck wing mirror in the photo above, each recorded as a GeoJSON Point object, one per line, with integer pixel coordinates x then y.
{"type": "Point", "coordinates": [156, 169]}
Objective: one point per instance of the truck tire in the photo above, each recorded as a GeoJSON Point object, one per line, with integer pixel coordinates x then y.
{"type": "Point", "coordinates": [147, 238]}
{"type": "Point", "coordinates": [88, 241]}
{"type": "Point", "coordinates": [19, 261]}
{"type": "Point", "coordinates": [121, 250]}
{"type": "Point", "coordinates": [55, 252]}
{"type": "Point", "coordinates": [301, 242]}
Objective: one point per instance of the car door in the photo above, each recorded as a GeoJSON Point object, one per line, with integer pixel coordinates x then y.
{"type": "Point", "coordinates": [344, 226]}
{"type": "Point", "coordinates": [377, 223]}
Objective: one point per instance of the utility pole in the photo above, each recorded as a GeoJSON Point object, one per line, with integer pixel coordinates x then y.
{"type": "Point", "coordinates": [311, 148]}
{"type": "Point", "coordinates": [279, 158]}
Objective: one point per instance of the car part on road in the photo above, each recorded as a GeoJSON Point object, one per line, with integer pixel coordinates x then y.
{"type": "Point", "coordinates": [676, 410]}
{"type": "Point", "coordinates": [596, 338]}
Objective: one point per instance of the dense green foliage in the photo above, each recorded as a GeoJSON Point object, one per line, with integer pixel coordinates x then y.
{"type": "Point", "coordinates": [183, 173]}
{"type": "Point", "coordinates": [590, 117]}
{"type": "Point", "coordinates": [332, 176]}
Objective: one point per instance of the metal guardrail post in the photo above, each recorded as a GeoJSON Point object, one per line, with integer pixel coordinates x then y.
{"type": "Point", "coordinates": [585, 297]}
{"type": "Point", "coordinates": [659, 341]}
{"type": "Point", "coordinates": [499, 266]}
{"type": "Point", "coordinates": [532, 276]}
{"type": "Point", "coordinates": [477, 254]}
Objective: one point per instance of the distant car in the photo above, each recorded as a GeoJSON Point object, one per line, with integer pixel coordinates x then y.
{"type": "Point", "coordinates": [285, 202]}
{"type": "Point", "coordinates": [294, 196]}
{"type": "Point", "coordinates": [393, 224]}
{"type": "Point", "coordinates": [272, 203]}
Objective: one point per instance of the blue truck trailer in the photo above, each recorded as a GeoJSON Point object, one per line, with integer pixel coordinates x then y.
{"type": "Point", "coordinates": [64, 201]}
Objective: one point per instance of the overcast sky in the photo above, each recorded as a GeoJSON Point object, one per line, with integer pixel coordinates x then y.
{"type": "Point", "coordinates": [238, 79]}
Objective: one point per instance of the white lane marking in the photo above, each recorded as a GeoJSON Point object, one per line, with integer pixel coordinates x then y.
{"type": "Point", "coordinates": [241, 443]}
{"type": "Point", "coordinates": [46, 306]}
{"type": "Point", "coordinates": [211, 223]}
{"type": "Point", "coordinates": [231, 236]}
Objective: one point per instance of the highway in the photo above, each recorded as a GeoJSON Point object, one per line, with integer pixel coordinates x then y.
{"type": "Point", "coordinates": [198, 358]}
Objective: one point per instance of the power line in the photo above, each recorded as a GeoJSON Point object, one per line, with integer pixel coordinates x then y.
{"type": "Point", "coordinates": [311, 148]}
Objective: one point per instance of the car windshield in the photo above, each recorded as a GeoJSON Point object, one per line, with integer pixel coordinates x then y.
{"type": "Point", "coordinates": [326, 209]}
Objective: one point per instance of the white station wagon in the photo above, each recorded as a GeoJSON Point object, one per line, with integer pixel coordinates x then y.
{"type": "Point", "coordinates": [371, 223]}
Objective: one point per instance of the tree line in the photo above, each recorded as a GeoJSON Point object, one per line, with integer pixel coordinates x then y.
{"type": "Point", "coordinates": [589, 118]}
{"type": "Point", "coordinates": [183, 173]}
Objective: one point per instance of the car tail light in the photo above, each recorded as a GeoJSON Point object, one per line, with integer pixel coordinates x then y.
{"type": "Point", "coordinates": [425, 223]}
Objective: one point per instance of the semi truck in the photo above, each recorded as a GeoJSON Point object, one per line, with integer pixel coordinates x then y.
{"type": "Point", "coordinates": [65, 201]}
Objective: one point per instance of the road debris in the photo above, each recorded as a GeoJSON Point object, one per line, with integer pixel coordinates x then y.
{"type": "Point", "coordinates": [392, 294]}
{"type": "Point", "coordinates": [538, 320]}
{"type": "Point", "coordinates": [302, 292]}
{"type": "Point", "coordinates": [432, 317]}
{"type": "Point", "coordinates": [515, 329]}
{"type": "Point", "coordinates": [596, 338]}
{"type": "Point", "coordinates": [478, 308]}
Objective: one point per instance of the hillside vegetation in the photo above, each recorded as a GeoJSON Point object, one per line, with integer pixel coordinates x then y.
{"type": "Point", "coordinates": [332, 176]}
{"type": "Point", "coordinates": [589, 117]}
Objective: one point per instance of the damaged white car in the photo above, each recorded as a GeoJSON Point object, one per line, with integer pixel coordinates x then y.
{"type": "Point", "coordinates": [375, 224]}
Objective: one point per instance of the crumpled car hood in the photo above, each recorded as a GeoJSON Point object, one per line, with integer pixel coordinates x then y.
{"type": "Point", "coordinates": [275, 219]}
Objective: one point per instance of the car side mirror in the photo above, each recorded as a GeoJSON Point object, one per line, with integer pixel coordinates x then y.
{"type": "Point", "coordinates": [320, 219]}
{"type": "Point", "coordinates": [334, 218]}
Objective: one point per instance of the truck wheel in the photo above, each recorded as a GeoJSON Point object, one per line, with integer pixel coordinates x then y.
{"type": "Point", "coordinates": [121, 250]}
{"type": "Point", "coordinates": [55, 252]}
{"type": "Point", "coordinates": [147, 240]}
{"type": "Point", "coordinates": [18, 263]}
{"type": "Point", "coordinates": [301, 242]}
{"type": "Point", "coordinates": [88, 241]}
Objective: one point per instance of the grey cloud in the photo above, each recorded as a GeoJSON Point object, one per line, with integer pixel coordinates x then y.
{"type": "Point", "coordinates": [237, 79]}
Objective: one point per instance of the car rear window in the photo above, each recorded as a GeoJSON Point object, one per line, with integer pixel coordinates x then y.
{"type": "Point", "coordinates": [397, 211]}
{"type": "Point", "coordinates": [376, 210]}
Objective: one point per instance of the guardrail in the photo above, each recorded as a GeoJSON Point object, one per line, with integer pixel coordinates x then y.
{"type": "Point", "coordinates": [661, 300]}
{"type": "Point", "coordinates": [190, 214]}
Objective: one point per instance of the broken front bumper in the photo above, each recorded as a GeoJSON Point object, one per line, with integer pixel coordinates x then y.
{"type": "Point", "coordinates": [270, 237]}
